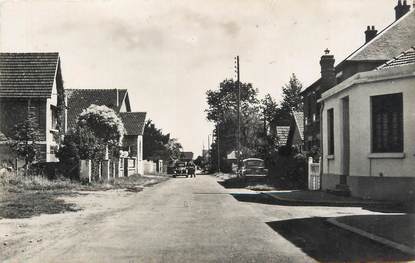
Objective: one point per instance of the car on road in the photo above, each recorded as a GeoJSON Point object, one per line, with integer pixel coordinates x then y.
{"type": "Point", "coordinates": [254, 168]}
{"type": "Point", "coordinates": [180, 169]}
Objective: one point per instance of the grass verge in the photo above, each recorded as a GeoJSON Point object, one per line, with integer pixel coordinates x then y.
{"type": "Point", "coordinates": [27, 196]}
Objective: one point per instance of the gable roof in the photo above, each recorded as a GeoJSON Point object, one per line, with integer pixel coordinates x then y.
{"type": "Point", "coordinates": [133, 122]}
{"type": "Point", "coordinates": [299, 121]}
{"type": "Point", "coordinates": [398, 36]}
{"type": "Point", "coordinates": [405, 58]}
{"type": "Point", "coordinates": [282, 134]}
{"type": "Point", "coordinates": [28, 75]}
{"type": "Point", "coordinates": [80, 99]}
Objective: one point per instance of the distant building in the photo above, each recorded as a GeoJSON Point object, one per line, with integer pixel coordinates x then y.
{"type": "Point", "coordinates": [378, 49]}
{"type": "Point", "coordinates": [369, 131]}
{"type": "Point", "coordinates": [186, 156]}
{"type": "Point", "coordinates": [31, 82]}
{"type": "Point", "coordinates": [296, 132]}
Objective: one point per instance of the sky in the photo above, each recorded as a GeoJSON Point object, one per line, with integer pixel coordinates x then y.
{"type": "Point", "coordinates": [169, 53]}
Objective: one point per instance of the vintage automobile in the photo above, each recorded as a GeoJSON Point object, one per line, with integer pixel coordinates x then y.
{"type": "Point", "coordinates": [253, 167]}
{"type": "Point", "coordinates": [180, 169]}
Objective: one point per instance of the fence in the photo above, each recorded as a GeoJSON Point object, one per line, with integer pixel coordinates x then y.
{"type": "Point", "coordinates": [313, 175]}
{"type": "Point", "coordinates": [99, 170]}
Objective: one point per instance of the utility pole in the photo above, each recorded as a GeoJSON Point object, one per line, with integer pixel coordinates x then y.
{"type": "Point", "coordinates": [238, 136]}
{"type": "Point", "coordinates": [217, 142]}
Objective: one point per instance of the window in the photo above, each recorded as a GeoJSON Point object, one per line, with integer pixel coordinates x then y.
{"type": "Point", "coordinates": [54, 112]}
{"type": "Point", "coordinates": [387, 123]}
{"type": "Point", "coordinates": [330, 132]}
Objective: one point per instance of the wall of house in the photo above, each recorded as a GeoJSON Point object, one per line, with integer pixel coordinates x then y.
{"type": "Point", "coordinates": [51, 142]}
{"type": "Point", "coordinates": [367, 168]}
{"type": "Point", "coordinates": [14, 111]}
{"type": "Point", "coordinates": [311, 120]}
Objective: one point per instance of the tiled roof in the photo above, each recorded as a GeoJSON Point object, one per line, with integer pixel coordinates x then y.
{"type": "Point", "coordinates": [27, 75]}
{"type": "Point", "coordinates": [80, 99]}
{"type": "Point", "coordinates": [389, 43]}
{"type": "Point", "coordinates": [282, 134]}
{"type": "Point", "coordinates": [299, 120]}
{"type": "Point", "coordinates": [405, 58]}
{"type": "Point", "coordinates": [133, 122]}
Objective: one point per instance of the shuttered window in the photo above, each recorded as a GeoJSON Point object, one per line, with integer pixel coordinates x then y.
{"type": "Point", "coordinates": [387, 123]}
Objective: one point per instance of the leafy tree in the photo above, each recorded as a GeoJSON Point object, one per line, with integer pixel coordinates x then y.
{"type": "Point", "coordinates": [97, 128]}
{"type": "Point", "coordinates": [174, 149]}
{"type": "Point", "coordinates": [154, 142]}
{"type": "Point", "coordinates": [291, 100]}
{"type": "Point", "coordinates": [24, 138]}
{"type": "Point", "coordinates": [223, 110]}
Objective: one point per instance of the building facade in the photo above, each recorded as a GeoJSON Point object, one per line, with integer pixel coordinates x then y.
{"type": "Point", "coordinates": [31, 84]}
{"type": "Point", "coordinates": [368, 124]}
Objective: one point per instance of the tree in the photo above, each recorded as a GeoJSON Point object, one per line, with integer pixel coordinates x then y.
{"type": "Point", "coordinates": [223, 112]}
{"type": "Point", "coordinates": [24, 138]}
{"type": "Point", "coordinates": [174, 149]}
{"type": "Point", "coordinates": [291, 100]}
{"type": "Point", "coordinates": [97, 128]}
{"type": "Point", "coordinates": [154, 143]}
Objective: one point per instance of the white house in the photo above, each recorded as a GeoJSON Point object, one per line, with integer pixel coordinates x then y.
{"type": "Point", "coordinates": [368, 132]}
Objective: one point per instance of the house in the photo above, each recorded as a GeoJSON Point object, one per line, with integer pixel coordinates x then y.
{"type": "Point", "coordinates": [368, 131]}
{"type": "Point", "coordinates": [133, 137]}
{"type": "Point", "coordinates": [32, 83]}
{"type": "Point", "coordinates": [378, 49]}
{"type": "Point", "coordinates": [118, 100]}
{"type": "Point", "coordinates": [296, 132]}
{"type": "Point", "coordinates": [186, 156]}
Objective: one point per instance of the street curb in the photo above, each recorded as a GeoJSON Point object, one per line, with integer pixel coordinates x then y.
{"type": "Point", "coordinates": [334, 203]}
{"type": "Point", "coordinates": [384, 241]}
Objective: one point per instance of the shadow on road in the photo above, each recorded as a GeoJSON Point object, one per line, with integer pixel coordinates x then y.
{"type": "Point", "coordinates": [266, 199]}
{"type": "Point", "coordinates": [327, 243]}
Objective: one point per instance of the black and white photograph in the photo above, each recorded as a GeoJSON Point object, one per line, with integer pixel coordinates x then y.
{"type": "Point", "coordinates": [207, 131]}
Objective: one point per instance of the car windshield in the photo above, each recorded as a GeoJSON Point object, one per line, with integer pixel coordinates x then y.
{"type": "Point", "coordinates": [254, 163]}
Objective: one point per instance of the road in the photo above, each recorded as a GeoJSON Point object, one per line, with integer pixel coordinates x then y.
{"type": "Point", "coordinates": [187, 220]}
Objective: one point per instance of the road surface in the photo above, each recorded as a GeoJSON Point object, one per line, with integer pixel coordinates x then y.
{"type": "Point", "coordinates": [186, 220]}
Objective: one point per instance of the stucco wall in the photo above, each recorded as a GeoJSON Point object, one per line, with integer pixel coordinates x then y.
{"type": "Point", "coordinates": [360, 130]}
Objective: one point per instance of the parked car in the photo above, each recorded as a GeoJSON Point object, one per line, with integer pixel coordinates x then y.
{"type": "Point", "coordinates": [180, 169]}
{"type": "Point", "coordinates": [253, 167]}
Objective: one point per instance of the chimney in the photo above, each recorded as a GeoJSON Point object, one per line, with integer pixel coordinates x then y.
{"type": "Point", "coordinates": [370, 33]}
{"type": "Point", "coordinates": [401, 9]}
{"type": "Point", "coordinates": [328, 75]}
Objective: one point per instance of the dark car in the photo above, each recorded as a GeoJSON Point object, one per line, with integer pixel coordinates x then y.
{"type": "Point", "coordinates": [180, 169]}
{"type": "Point", "coordinates": [253, 167]}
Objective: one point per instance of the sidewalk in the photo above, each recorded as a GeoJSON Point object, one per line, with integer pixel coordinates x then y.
{"type": "Point", "coordinates": [393, 230]}
{"type": "Point", "coordinates": [300, 197]}
{"type": "Point", "coordinates": [397, 231]}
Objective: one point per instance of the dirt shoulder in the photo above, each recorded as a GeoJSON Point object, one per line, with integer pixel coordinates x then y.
{"type": "Point", "coordinates": [32, 219]}
{"type": "Point", "coordinates": [24, 197]}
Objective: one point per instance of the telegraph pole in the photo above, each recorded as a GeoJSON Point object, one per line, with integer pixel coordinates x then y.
{"type": "Point", "coordinates": [217, 142]}
{"type": "Point", "coordinates": [238, 136]}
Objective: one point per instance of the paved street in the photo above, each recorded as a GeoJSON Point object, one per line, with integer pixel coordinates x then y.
{"type": "Point", "coordinates": [192, 220]}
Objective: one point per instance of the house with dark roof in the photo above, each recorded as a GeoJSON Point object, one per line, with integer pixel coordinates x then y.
{"type": "Point", "coordinates": [80, 99]}
{"type": "Point", "coordinates": [133, 137]}
{"type": "Point", "coordinates": [368, 129]}
{"type": "Point", "coordinates": [31, 83]}
{"type": "Point", "coordinates": [377, 50]}
{"type": "Point", "coordinates": [117, 99]}
{"type": "Point", "coordinates": [186, 156]}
